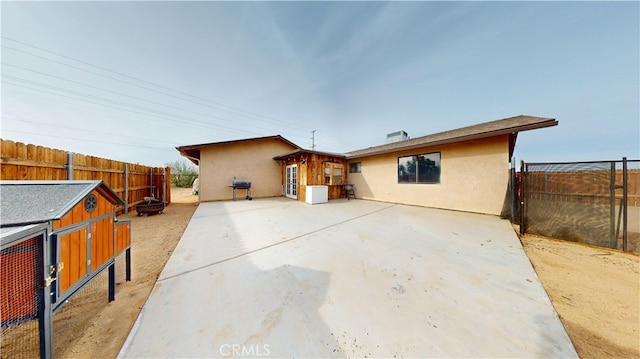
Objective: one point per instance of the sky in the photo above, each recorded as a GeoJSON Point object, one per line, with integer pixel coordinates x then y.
{"type": "Point", "coordinates": [130, 81]}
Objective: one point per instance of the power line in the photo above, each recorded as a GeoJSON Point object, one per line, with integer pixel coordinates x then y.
{"type": "Point", "coordinates": [89, 140]}
{"type": "Point", "coordinates": [127, 106]}
{"type": "Point", "coordinates": [110, 91]}
{"type": "Point", "coordinates": [79, 129]}
{"type": "Point", "coordinates": [141, 80]}
{"type": "Point", "coordinates": [235, 110]}
{"type": "Point", "coordinates": [155, 113]}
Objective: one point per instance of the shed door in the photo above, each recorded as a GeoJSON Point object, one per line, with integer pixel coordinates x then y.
{"type": "Point", "coordinates": [291, 185]}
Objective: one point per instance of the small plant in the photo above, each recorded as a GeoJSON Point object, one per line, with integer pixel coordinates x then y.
{"type": "Point", "coordinates": [183, 173]}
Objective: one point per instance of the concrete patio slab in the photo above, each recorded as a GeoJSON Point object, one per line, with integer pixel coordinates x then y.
{"type": "Point", "coordinates": [281, 278]}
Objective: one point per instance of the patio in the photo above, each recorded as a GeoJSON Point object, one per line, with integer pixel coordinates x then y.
{"type": "Point", "coordinates": [281, 278]}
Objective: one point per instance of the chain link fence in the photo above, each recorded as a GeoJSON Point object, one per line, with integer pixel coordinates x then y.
{"type": "Point", "coordinates": [595, 203]}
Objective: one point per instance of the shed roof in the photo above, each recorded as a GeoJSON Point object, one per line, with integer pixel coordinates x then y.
{"type": "Point", "coordinates": [511, 125]}
{"type": "Point", "coordinates": [12, 235]}
{"type": "Point", "coordinates": [29, 202]}
{"type": "Point", "coordinates": [192, 152]}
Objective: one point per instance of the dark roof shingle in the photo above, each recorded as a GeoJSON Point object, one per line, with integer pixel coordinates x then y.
{"type": "Point", "coordinates": [27, 202]}
{"type": "Point", "coordinates": [482, 130]}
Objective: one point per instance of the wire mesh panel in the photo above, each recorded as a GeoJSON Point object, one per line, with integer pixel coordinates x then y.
{"type": "Point", "coordinates": [19, 304]}
{"type": "Point", "coordinates": [571, 201]}
{"type": "Point", "coordinates": [633, 205]}
{"type": "Point", "coordinates": [77, 314]}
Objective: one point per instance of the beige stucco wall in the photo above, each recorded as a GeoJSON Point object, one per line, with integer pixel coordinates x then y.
{"type": "Point", "coordinates": [474, 177]}
{"type": "Point", "coordinates": [252, 160]}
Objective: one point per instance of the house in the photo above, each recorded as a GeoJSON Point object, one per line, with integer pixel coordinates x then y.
{"type": "Point", "coordinates": [55, 237]}
{"type": "Point", "coordinates": [248, 159]}
{"type": "Point", "coordinates": [464, 169]}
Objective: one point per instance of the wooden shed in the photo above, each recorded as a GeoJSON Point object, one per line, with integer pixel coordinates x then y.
{"type": "Point", "coordinates": [302, 168]}
{"type": "Point", "coordinates": [55, 236]}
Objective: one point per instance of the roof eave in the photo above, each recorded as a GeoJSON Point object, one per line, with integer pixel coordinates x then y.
{"type": "Point", "coordinates": [510, 130]}
{"type": "Point", "coordinates": [99, 186]}
{"type": "Point", "coordinates": [193, 151]}
{"type": "Point", "coordinates": [305, 151]}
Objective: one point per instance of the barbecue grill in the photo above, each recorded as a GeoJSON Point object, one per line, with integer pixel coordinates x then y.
{"type": "Point", "coordinates": [241, 184]}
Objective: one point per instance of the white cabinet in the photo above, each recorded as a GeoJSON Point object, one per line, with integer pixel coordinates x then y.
{"type": "Point", "coordinates": [317, 194]}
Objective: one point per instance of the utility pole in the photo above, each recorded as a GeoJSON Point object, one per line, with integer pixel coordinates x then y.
{"type": "Point", "coordinates": [313, 140]}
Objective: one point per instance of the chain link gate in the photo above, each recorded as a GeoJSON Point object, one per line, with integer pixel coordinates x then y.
{"type": "Point", "coordinates": [586, 202]}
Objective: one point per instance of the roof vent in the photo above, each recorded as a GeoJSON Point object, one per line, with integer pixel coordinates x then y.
{"type": "Point", "coordinates": [397, 136]}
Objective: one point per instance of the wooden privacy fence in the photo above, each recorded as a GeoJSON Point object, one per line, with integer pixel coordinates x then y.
{"type": "Point", "coordinates": [132, 182]}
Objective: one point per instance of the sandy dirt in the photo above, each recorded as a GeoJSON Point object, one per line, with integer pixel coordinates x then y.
{"type": "Point", "coordinates": [596, 291]}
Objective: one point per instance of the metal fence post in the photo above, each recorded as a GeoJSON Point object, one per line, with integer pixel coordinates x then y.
{"type": "Point", "coordinates": [151, 181]}
{"type": "Point", "coordinates": [164, 185]}
{"type": "Point", "coordinates": [112, 282]}
{"type": "Point", "coordinates": [45, 319]}
{"type": "Point", "coordinates": [626, 204]}
{"type": "Point", "coordinates": [70, 166]}
{"type": "Point", "coordinates": [126, 188]}
{"type": "Point", "coordinates": [613, 241]}
{"type": "Point", "coordinates": [523, 183]}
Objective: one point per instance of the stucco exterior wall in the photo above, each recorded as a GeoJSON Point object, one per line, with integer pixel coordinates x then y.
{"type": "Point", "coordinates": [474, 177]}
{"type": "Point", "coordinates": [251, 160]}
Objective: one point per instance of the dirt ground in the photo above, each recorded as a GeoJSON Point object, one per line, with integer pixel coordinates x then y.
{"type": "Point", "coordinates": [596, 291]}
{"type": "Point", "coordinates": [153, 239]}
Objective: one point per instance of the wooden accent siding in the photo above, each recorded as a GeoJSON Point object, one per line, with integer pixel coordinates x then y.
{"type": "Point", "coordinates": [72, 262]}
{"type": "Point", "coordinates": [78, 213]}
{"type": "Point", "coordinates": [102, 242]}
{"type": "Point", "coordinates": [123, 236]}
{"type": "Point", "coordinates": [311, 172]}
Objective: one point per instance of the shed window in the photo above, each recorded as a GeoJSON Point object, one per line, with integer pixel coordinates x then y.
{"type": "Point", "coordinates": [424, 168]}
{"type": "Point", "coordinates": [355, 167]}
{"type": "Point", "coordinates": [333, 173]}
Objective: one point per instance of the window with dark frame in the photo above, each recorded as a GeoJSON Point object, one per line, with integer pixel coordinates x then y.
{"type": "Point", "coordinates": [355, 167]}
{"type": "Point", "coordinates": [424, 168]}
